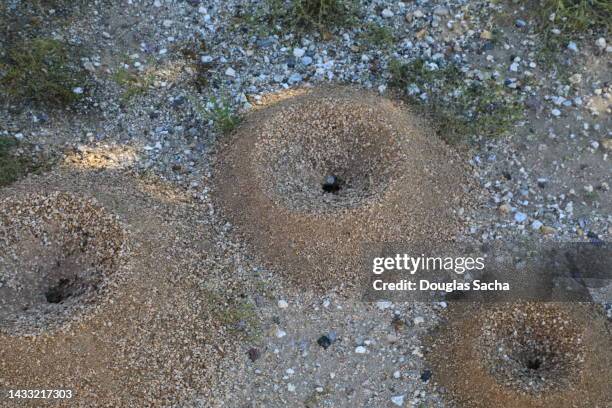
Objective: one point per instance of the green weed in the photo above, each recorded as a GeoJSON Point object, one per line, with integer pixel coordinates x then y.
{"type": "Point", "coordinates": [132, 83]}
{"type": "Point", "coordinates": [301, 16]}
{"type": "Point", "coordinates": [237, 315]}
{"type": "Point", "coordinates": [573, 16]}
{"type": "Point", "coordinates": [44, 71]}
{"type": "Point", "coordinates": [378, 35]}
{"type": "Point", "coordinates": [219, 112]}
{"type": "Point", "coordinates": [459, 106]}
{"type": "Point", "coordinates": [13, 166]}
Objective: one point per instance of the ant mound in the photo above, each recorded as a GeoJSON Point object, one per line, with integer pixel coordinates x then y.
{"type": "Point", "coordinates": [135, 327]}
{"type": "Point", "coordinates": [312, 179]}
{"type": "Point", "coordinates": [58, 251]}
{"type": "Point", "coordinates": [530, 355]}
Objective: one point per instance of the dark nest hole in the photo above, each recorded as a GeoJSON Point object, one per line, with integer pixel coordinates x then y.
{"type": "Point", "coordinates": [533, 363]}
{"type": "Point", "coordinates": [66, 288]}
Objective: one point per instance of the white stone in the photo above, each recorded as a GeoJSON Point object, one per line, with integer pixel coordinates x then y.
{"type": "Point", "coordinates": [361, 350]}
{"type": "Point", "coordinates": [575, 79]}
{"type": "Point", "coordinates": [441, 11]}
{"type": "Point", "coordinates": [280, 333]}
{"type": "Point", "coordinates": [283, 304]}
{"type": "Point", "coordinates": [386, 13]}
{"type": "Point", "coordinates": [418, 320]}
{"type": "Point", "coordinates": [230, 72]}
{"type": "Point", "coordinates": [601, 43]}
{"type": "Point", "coordinates": [383, 304]}
{"type": "Point", "coordinates": [520, 217]}
{"type": "Point", "coordinates": [398, 400]}
{"type": "Point", "coordinates": [299, 52]}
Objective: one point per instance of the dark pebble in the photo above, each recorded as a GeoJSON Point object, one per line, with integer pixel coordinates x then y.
{"type": "Point", "coordinates": [254, 354]}
{"type": "Point", "coordinates": [331, 184]}
{"type": "Point", "coordinates": [324, 342]}
{"type": "Point", "coordinates": [592, 235]}
{"type": "Point", "coordinates": [43, 117]}
{"type": "Point", "coordinates": [265, 42]}
{"type": "Point", "coordinates": [178, 101]}
{"type": "Point", "coordinates": [426, 375]}
{"type": "Point", "coordinates": [488, 46]}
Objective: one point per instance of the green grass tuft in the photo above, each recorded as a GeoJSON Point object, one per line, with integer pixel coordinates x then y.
{"type": "Point", "coordinates": [42, 70]}
{"type": "Point", "coordinates": [219, 112]}
{"type": "Point", "coordinates": [301, 16]}
{"type": "Point", "coordinates": [238, 316]}
{"type": "Point", "coordinates": [378, 35]}
{"type": "Point", "coordinates": [459, 107]}
{"type": "Point", "coordinates": [132, 83]}
{"type": "Point", "coordinates": [12, 167]}
{"type": "Point", "coordinates": [573, 16]}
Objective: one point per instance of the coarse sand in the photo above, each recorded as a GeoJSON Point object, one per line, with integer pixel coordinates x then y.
{"type": "Point", "coordinates": [58, 253]}
{"type": "Point", "coordinates": [310, 180]}
{"type": "Point", "coordinates": [139, 329]}
{"type": "Point", "coordinates": [523, 355]}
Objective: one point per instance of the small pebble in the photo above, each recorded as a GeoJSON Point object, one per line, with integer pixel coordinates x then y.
{"type": "Point", "coordinates": [386, 13]}
{"type": "Point", "coordinates": [601, 43]}
{"type": "Point", "coordinates": [398, 400]}
{"type": "Point", "coordinates": [572, 46]}
{"type": "Point", "coordinates": [520, 217]}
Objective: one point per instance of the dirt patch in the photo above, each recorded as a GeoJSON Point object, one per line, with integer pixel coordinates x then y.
{"type": "Point", "coordinates": [58, 251]}
{"type": "Point", "coordinates": [310, 180]}
{"type": "Point", "coordinates": [524, 355]}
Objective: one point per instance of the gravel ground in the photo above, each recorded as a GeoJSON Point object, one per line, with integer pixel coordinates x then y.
{"type": "Point", "coordinates": [249, 338]}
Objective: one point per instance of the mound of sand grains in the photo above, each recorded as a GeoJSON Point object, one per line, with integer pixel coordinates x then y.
{"type": "Point", "coordinates": [310, 180]}
{"type": "Point", "coordinates": [58, 252]}
{"type": "Point", "coordinates": [524, 355]}
{"type": "Point", "coordinates": [152, 336]}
